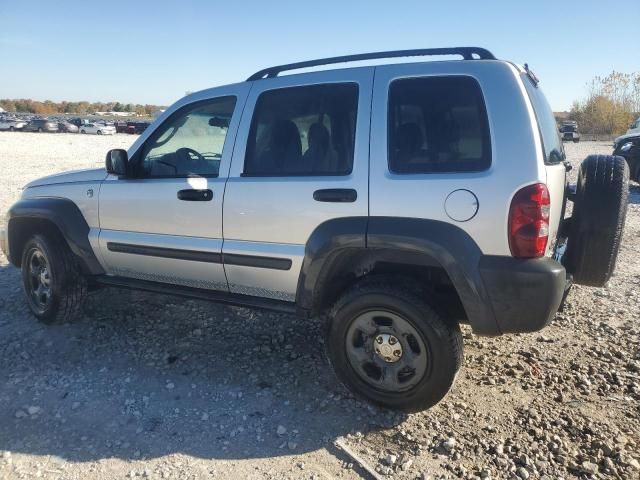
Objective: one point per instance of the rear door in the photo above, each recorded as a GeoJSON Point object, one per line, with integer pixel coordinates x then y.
{"type": "Point", "coordinates": [301, 159]}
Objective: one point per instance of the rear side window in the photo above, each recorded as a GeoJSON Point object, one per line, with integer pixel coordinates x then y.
{"type": "Point", "coordinates": [299, 131]}
{"type": "Point", "coordinates": [551, 143]}
{"type": "Point", "coordinates": [438, 124]}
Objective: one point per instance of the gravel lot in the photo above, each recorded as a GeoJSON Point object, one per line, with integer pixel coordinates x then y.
{"type": "Point", "coordinates": [147, 386]}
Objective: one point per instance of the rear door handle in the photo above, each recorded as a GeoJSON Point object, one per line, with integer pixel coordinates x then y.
{"type": "Point", "coordinates": [204, 195]}
{"type": "Point", "coordinates": [338, 195]}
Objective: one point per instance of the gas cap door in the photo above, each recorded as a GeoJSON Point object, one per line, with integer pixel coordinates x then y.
{"type": "Point", "coordinates": [461, 205]}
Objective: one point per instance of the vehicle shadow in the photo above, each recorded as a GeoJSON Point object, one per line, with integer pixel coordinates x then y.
{"type": "Point", "coordinates": [142, 375]}
{"type": "Point", "coordinates": [634, 194]}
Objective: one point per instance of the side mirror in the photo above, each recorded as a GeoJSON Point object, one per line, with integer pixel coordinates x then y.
{"type": "Point", "coordinates": [117, 162]}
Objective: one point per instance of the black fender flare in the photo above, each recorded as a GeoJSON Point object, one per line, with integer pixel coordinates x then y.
{"type": "Point", "coordinates": [66, 216]}
{"type": "Point", "coordinates": [439, 243]}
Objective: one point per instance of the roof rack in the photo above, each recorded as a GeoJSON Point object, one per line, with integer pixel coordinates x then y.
{"type": "Point", "coordinates": [467, 53]}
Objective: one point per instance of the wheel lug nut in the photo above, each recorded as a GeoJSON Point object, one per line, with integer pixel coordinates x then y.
{"type": "Point", "coordinates": [397, 353]}
{"type": "Point", "coordinates": [392, 340]}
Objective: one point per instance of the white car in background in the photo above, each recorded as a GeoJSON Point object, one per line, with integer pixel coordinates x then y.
{"type": "Point", "coordinates": [98, 128]}
{"type": "Point", "coordinates": [12, 125]}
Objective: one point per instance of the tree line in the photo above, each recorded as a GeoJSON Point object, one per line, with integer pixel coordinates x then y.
{"type": "Point", "coordinates": [611, 104]}
{"type": "Point", "coordinates": [48, 107]}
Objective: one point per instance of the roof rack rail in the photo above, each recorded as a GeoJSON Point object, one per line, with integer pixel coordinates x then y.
{"type": "Point", "coordinates": [467, 53]}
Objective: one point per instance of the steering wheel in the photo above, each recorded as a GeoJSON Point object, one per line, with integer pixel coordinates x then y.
{"type": "Point", "coordinates": [189, 154]}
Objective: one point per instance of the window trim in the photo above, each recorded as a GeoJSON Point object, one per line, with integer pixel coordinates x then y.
{"type": "Point", "coordinates": [138, 158]}
{"type": "Point", "coordinates": [347, 173]}
{"type": "Point", "coordinates": [487, 134]}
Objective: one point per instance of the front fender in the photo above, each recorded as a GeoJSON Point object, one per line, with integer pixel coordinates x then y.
{"type": "Point", "coordinates": [64, 215]}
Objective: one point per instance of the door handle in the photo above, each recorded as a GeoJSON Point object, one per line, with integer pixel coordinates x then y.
{"type": "Point", "coordinates": [189, 195]}
{"type": "Point", "coordinates": [337, 195]}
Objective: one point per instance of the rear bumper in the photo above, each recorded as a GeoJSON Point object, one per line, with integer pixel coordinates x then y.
{"type": "Point", "coordinates": [524, 294]}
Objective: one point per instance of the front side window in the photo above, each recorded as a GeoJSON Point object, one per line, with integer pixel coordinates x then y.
{"type": "Point", "coordinates": [190, 142]}
{"type": "Point", "coordinates": [307, 130]}
{"type": "Point", "coordinates": [437, 125]}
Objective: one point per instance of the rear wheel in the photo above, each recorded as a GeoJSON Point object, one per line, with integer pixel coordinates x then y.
{"type": "Point", "coordinates": [99, 132]}
{"type": "Point", "coordinates": [598, 219]}
{"type": "Point", "coordinates": [82, 131]}
{"type": "Point", "coordinates": [52, 281]}
{"type": "Point", "coordinates": [11, 129]}
{"type": "Point", "coordinates": [391, 348]}
{"type": "Point", "coordinates": [40, 129]}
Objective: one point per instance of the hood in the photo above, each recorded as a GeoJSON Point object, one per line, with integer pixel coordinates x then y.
{"type": "Point", "coordinates": [90, 175]}
{"type": "Point", "coordinates": [626, 136]}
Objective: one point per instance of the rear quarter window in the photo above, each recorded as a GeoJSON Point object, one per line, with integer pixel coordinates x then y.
{"type": "Point", "coordinates": [437, 125]}
{"type": "Point", "coordinates": [551, 142]}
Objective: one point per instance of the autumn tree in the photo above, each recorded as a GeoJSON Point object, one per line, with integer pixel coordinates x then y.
{"type": "Point", "coordinates": [611, 104]}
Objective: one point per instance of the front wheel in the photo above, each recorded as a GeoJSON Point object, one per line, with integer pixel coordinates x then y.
{"type": "Point", "coordinates": [99, 132]}
{"type": "Point", "coordinates": [11, 129]}
{"type": "Point", "coordinates": [52, 281]}
{"type": "Point", "coordinates": [390, 347]}
{"type": "Point", "coordinates": [82, 131]}
{"type": "Point", "coordinates": [40, 130]}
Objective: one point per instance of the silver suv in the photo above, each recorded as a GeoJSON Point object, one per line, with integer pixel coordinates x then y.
{"type": "Point", "coordinates": [394, 202]}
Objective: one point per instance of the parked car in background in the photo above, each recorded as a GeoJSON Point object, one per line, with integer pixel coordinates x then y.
{"type": "Point", "coordinates": [629, 149]}
{"type": "Point", "coordinates": [569, 132]}
{"type": "Point", "coordinates": [41, 125]}
{"type": "Point", "coordinates": [12, 124]}
{"type": "Point", "coordinates": [137, 127]}
{"type": "Point", "coordinates": [78, 122]}
{"type": "Point", "coordinates": [67, 127]}
{"type": "Point", "coordinates": [98, 129]}
{"type": "Point", "coordinates": [634, 129]}
{"type": "Point", "coordinates": [121, 127]}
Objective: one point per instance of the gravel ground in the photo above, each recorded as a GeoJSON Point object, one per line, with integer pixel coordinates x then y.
{"type": "Point", "coordinates": [154, 387]}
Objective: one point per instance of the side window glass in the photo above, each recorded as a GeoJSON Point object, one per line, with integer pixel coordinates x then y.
{"type": "Point", "coordinates": [437, 124]}
{"type": "Point", "coordinates": [551, 142]}
{"type": "Point", "coordinates": [307, 130]}
{"type": "Point", "coordinates": [190, 142]}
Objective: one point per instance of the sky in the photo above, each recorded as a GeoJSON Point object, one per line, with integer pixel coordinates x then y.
{"type": "Point", "coordinates": [143, 51]}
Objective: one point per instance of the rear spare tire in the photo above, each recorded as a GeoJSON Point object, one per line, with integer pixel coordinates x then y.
{"type": "Point", "coordinates": [599, 211]}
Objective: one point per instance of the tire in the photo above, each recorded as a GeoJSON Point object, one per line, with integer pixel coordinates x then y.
{"type": "Point", "coordinates": [82, 131]}
{"type": "Point", "coordinates": [576, 140]}
{"type": "Point", "coordinates": [432, 345]}
{"type": "Point", "coordinates": [67, 288]}
{"type": "Point", "coordinates": [99, 132]}
{"type": "Point", "coordinates": [11, 129]}
{"type": "Point", "coordinates": [39, 130]}
{"type": "Point", "coordinates": [599, 212]}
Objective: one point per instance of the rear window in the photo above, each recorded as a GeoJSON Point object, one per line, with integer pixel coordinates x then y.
{"type": "Point", "coordinates": [436, 125]}
{"type": "Point", "coordinates": [551, 142]}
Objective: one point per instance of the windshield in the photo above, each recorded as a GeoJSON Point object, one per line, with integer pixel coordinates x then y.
{"type": "Point", "coordinates": [551, 142]}
{"type": "Point", "coordinates": [568, 128]}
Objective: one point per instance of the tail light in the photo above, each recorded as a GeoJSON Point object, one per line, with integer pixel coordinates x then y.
{"type": "Point", "coordinates": [529, 221]}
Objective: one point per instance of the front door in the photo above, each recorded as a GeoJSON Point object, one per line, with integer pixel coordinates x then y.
{"type": "Point", "coordinates": [301, 159]}
{"type": "Point", "coordinates": [165, 223]}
